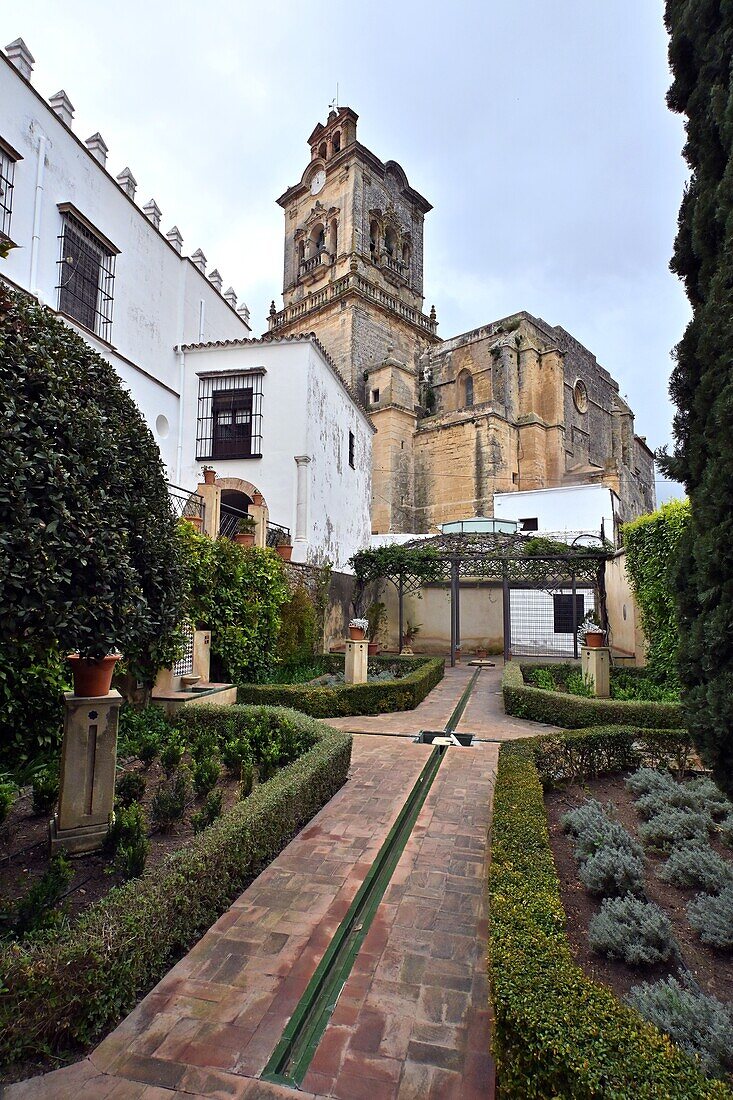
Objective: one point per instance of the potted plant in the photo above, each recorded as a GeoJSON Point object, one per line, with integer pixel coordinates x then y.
{"type": "Point", "coordinates": [257, 498]}
{"type": "Point", "coordinates": [92, 675]}
{"type": "Point", "coordinates": [480, 653]}
{"type": "Point", "coordinates": [358, 629]}
{"type": "Point", "coordinates": [245, 534]}
{"type": "Point", "coordinates": [209, 475]}
{"type": "Point", "coordinates": [590, 631]}
{"type": "Point", "coordinates": [377, 620]}
{"type": "Point", "coordinates": [283, 545]}
{"type": "Point", "coordinates": [409, 634]}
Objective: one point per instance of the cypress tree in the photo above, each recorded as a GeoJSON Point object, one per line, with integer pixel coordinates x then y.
{"type": "Point", "coordinates": [701, 59]}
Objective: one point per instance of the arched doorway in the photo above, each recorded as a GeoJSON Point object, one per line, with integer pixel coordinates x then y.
{"type": "Point", "coordinates": [234, 507]}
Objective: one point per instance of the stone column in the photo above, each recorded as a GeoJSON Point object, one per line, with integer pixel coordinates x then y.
{"type": "Point", "coordinates": [302, 498]}
{"type": "Point", "coordinates": [87, 781]}
{"type": "Point", "coordinates": [596, 666]}
{"type": "Point", "coordinates": [212, 508]}
{"type": "Point", "coordinates": [202, 655]}
{"type": "Point", "coordinates": [355, 667]}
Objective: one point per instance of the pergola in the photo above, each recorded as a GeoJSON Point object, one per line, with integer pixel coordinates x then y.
{"type": "Point", "coordinates": [512, 560]}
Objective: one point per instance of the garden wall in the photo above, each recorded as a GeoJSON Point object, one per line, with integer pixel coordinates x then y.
{"type": "Point", "coordinates": [626, 636]}
{"type": "Point", "coordinates": [481, 617]}
{"type": "Point", "coordinates": [558, 708]}
{"type": "Point", "coordinates": [65, 992]}
{"type": "Point", "coordinates": [422, 674]}
{"type": "Point", "coordinates": [556, 1032]}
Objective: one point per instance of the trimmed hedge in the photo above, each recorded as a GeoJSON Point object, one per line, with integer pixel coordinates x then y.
{"type": "Point", "coordinates": [559, 708]}
{"type": "Point", "coordinates": [557, 1033]}
{"type": "Point", "coordinates": [67, 990]}
{"type": "Point", "coordinates": [573, 756]}
{"type": "Point", "coordinates": [345, 699]}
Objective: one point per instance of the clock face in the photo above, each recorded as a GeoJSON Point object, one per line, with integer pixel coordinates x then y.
{"type": "Point", "coordinates": [318, 181]}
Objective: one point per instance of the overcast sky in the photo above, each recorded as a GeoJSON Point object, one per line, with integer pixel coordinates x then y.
{"type": "Point", "coordinates": [538, 130]}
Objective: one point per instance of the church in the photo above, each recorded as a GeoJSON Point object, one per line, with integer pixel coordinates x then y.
{"type": "Point", "coordinates": [514, 405]}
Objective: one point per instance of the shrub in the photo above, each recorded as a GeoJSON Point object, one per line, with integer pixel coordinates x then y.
{"type": "Point", "coordinates": [699, 1024]}
{"type": "Point", "coordinates": [656, 802]}
{"type": "Point", "coordinates": [206, 774]}
{"type": "Point", "coordinates": [672, 826]}
{"type": "Point", "coordinates": [148, 747]}
{"type": "Point", "coordinates": [557, 708]}
{"type": "Point", "coordinates": [649, 781]}
{"type": "Point", "coordinates": [637, 932]}
{"type": "Point", "coordinates": [557, 1033]}
{"type": "Point", "coordinates": [235, 753]}
{"type": "Point", "coordinates": [611, 872]}
{"type": "Point", "coordinates": [298, 635]}
{"type": "Point", "coordinates": [32, 683]}
{"type": "Point", "coordinates": [576, 685]}
{"type": "Point", "coordinates": [128, 840]}
{"type": "Point", "coordinates": [38, 910]}
{"type": "Point", "coordinates": [138, 725]}
{"type": "Point", "coordinates": [172, 754]}
{"type": "Point", "coordinates": [211, 810]}
{"type": "Point", "coordinates": [63, 992]}
{"type": "Point", "coordinates": [421, 676]}
{"type": "Point", "coordinates": [589, 815]}
{"type": "Point", "coordinates": [542, 678]}
{"type": "Point", "coordinates": [7, 798]}
{"type": "Point", "coordinates": [130, 787]}
{"type": "Point", "coordinates": [169, 802]}
{"type": "Point", "coordinates": [696, 865]}
{"type": "Point", "coordinates": [246, 780]}
{"type": "Point", "coordinates": [45, 790]}
{"type": "Point", "coordinates": [705, 795]}
{"type": "Point", "coordinates": [574, 756]}
{"type": "Point", "coordinates": [606, 834]}
{"type": "Point", "coordinates": [712, 918]}
{"type": "Point", "coordinates": [725, 830]}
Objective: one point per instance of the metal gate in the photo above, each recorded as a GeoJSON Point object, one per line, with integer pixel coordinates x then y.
{"type": "Point", "coordinates": [543, 622]}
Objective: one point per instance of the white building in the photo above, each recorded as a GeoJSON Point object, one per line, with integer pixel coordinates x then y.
{"type": "Point", "coordinates": [87, 250]}
{"type": "Point", "coordinates": [276, 416]}
{"type": "Point", "coordinates": [564, 512]}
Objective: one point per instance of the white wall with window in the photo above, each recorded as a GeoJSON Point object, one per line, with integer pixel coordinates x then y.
{"type": "Point", "coordinates": [275, 416]}
{"type": "Point", "coordinates": [569, 510]}
{"type": "Point", "coordinates": [87, 249]}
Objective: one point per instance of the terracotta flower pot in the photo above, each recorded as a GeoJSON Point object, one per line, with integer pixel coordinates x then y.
{"type": "Point", "coordinates": [209, 477]}
{"type": "Point", "coordinates": [92, 675]}
{"type": "Point", "coordinates": [258, 499]}
{"type": "Point", "coordinates": [373, 649]}
{"type": "Point", "coordinates": [594, 641]}
{"type": "Point", "coordinates": [195, 520]}
{"type": "Point", "coordinates": [285, 552]}
{"type": "Point", "coordinates": [356, 633]}
{"type": "Point", "coordinates": [244, 538]}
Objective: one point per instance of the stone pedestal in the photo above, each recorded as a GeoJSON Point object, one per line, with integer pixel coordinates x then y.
{"type": "Point", "coordinates": [212, 508]}
{"type": "Point", "coordinates": [87, 780]}
{"type": "Point", "coordinates": [596, 666]}
{"type": "Point", "coordinates": [355, 668]}
{"type": "Point", "coordinates": [259, 514]}
{"type": "Point", "coordinates": [202, 655]}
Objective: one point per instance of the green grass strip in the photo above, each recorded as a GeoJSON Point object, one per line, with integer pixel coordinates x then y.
{"type": "Point", "coordinates": [294, 1051]}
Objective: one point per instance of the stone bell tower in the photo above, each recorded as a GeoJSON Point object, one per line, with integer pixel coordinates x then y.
{"type": "Point", "coordinates": [353, 263]}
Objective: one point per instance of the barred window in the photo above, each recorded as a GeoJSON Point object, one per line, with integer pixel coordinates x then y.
{"type": "Point", "coordinates": [7, 176]}
{"type": "Point", "coordinates": [230, 415]}
{"type": "Point", "coordinates": [86, 275]}
{"type": "Point", "coordinates": [563, 612]}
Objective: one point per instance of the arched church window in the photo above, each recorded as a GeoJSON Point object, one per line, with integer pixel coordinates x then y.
{"type": "Point", "coordinates": [337, 142]}
{"type": "Point", "coordinates": [465, 390]}
{"type": "Point", "coordinates": [323, 150]}
{"type": "Point", "coordinates": [318, 239]}
{"type": "Point", "coordinates": [406, 254]}
{"type": "Point", "coordinates": [333, 238]}
{"type": "Point", "coordinates": [301, 252]}
{"type": "Point", "coordinates": [373, 237]}
{"type": "Point", "coordinates": [390, 241]}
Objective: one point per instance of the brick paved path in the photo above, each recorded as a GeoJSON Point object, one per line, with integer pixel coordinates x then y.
{"type": "Point", "coordinates": [412, 1020]}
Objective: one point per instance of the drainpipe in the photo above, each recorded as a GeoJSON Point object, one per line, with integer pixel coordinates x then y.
{"type": "Point", "coordinates": [181, 384]}
{"type": "Point", "coordinates": [202, 318]}
{"type": "Point", "coordinates": [40, 169]}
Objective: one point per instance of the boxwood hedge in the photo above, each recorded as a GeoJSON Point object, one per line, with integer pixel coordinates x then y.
{"type": "Point", "coordinates": [559, 708]}
{"type": "Point", "coordinates": [64, 991]}
{"type": "Point", "coordinates": [557, 1033]}
{"type": "Point", "coordinates": [382, 697]}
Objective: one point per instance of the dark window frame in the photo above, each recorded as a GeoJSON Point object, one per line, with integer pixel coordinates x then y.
{"type": "Point", "coordinates": [531, 523]}
{"type": "Point", "coordinates": [352, 450]}
{"type": "Point", "coordinates": [86, 274]}
{"type": "Point", "coordinates": [8, 159]}
{"type": "Point", "coordinates": [220, 394]}
{"type": "Point", "coordinates": [562, 611]}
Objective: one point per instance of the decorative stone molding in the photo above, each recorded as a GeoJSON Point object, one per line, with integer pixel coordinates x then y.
{"type": "Point", "coordinates": [230, 297]}
{"type": "Point", "coordinates": [175, 237]}
{"type": "Point", "coordinates": [62, 106]}
{"type": "Point", "coordinates": [153, 213]}
{"type": "Point", "coordinates": [199, 260]}
{"type": "Point", "coordinates": [127, 182]}
{"type": "Point", "coordinates": [97, 146]}
{"type": "Point", "coordinates": [215, 279]}
{"type": "Point", "coordinates": [21, 57]}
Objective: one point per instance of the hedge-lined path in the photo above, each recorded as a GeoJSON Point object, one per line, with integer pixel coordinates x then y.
{"type": "Point", "coordinates": [484, 716]}
{"type": "Point", "coordinates": [412, 1020]}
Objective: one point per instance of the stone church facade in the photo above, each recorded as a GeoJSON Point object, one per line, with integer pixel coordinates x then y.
{"type": "Point", "coordinates": [513, 405]}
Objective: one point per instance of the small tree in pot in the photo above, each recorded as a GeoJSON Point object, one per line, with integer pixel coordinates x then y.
{"type": "Point", "coordinates": [245, 535]}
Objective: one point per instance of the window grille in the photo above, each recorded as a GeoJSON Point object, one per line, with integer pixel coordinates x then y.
{"type": "Point", "coordinates": [563, 613]}
{"type": "Point", "coordinates": [7, 177]}
{"type": "Point", "coordinates": [351, 450]}
{"type": "Point", "coordinates": [230, 415]}
{"type": "Point", "coordinates": [86, 277]}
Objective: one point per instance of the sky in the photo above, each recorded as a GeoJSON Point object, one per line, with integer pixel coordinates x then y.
{"type": "Point", "coordinates": [539, 132]}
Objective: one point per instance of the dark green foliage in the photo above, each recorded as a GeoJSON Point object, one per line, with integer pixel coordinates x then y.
{"type": "Point", "coordinates": [696, 864]}
{"type": "Point", "coordinates": [66, 991]}
{"type": "Point", "coordinates": [626, 683]}
{"type": "Point", "coordinates": [147, 724]}
{"type": "Point", "coordinates": [635, 931]}
{"type": "Point", "coordinates": [652, 559]}
{"type": "Point", "coordinates": [31, 703]}
{"type": "Point", "coordinates": [298, 638]}
{"type": "Point", "coordinates": [572, 756]}
{"type": "Point", "coordinates": [172, 753]}
{"type": "Point", "coordinates": [701, 58]}
{"type": "Point", "coordinates": [571, 712]}
{"type": "Point", "coordinates": [45, 790]}
{"type": "Point", "coordinates": [206, 774]}
{"type": "Point", "coordinates": [130, 787]}
{"type": "Point", "coordinates": [726, 831]}
{"type": "Point", "coordinates": [38, 910]}
{"type": "Point", "coordinates": [344, 699]}
{"type": "Point", "coordinates": [701, 1025]}
{"type": "Point", "coordinates": [541, 678]}
{"type": "Point", "coordinates": [211, 810]}
{"type": "Point", "coordinates": [148, 747]}
{"type": "Point", "coordinates": [89, 554]}
{"type": "Point", "coordinates": [169, 802]}
{"type": "Point", "coordinates": [235, 753]}
{"type": "Point", "coordinates": [246, 780]}
{"type": "Point", "coordinates": [556, 1032]}
{"type": "Point", "coordinates": [712, 918]}
{"type": "Point", "coordinates": [128, 841]}
{"type": "Point", "coordinates": [237, 594]}
{"type": "Point", "coordinates": [7, 798]}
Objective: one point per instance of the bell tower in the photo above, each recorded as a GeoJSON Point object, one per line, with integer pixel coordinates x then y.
{"type": "Point", "coordinates": [353, 256]}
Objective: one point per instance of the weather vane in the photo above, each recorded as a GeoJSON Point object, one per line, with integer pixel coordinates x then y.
{"type": "Point", "coordinates": [333, 105]}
